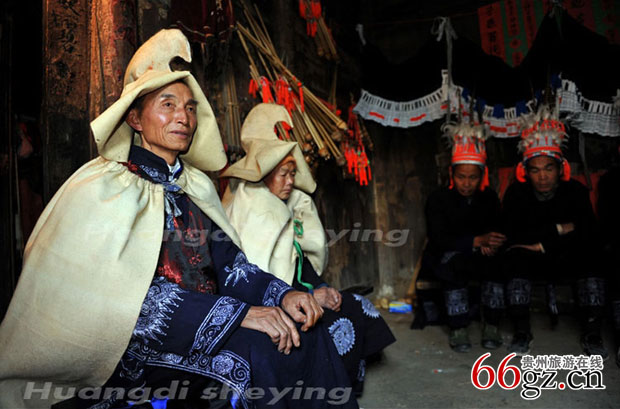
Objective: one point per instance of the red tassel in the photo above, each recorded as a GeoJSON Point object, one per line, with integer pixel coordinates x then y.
{"type": "Point", "coordinates": [281, 87]}
{"type": "Point", "coordinates": [301, 96]}
{"type": "Point", "coordinates": [451, 186]}
{"type": "Point", "coordinates": [302, 8]}
{"type": "Point", "coordinates": [520, 172]}
{"type": "Point", "coordinates": [253, 88]}
{"type": "Point", "coordinates": [316, 9]}
{"type": "Point", "coordinates": [363, 178]}
{"type": "Point", "coordinates": [485, 179]}
{"type": "Point", "coordinates": [565, 170]}
{"type": "Point", "coordinates": [266, 91]}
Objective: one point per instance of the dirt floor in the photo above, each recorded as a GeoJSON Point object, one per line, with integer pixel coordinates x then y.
{"type": "Point", "coordinates": [421, 371]}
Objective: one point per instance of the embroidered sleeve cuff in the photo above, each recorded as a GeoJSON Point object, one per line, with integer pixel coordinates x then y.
{"type": "Point", "coordinates": [225, 316]}
{"type": "Point", "coordinates": [162, 301]}
{"type": "Point", "coordinates": [275, 292]}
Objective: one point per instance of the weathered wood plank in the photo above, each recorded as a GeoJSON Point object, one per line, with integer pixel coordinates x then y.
{"type": "Point", "coordinates": [66, 78]}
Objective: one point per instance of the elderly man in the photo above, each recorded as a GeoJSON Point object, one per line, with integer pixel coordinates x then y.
{"type": "Point", "coordinates": [281, 232]}
{"type": "Point", "coordinates": [133, 283]}
{"type": "Point", "coordinates": [462, 222]}
{"type": "Point", "coordinates": [552, 233]}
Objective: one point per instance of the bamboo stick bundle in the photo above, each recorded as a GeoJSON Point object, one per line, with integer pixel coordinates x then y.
{"type": "Point", "coordinates": [313, 122]}
{"type": "Point", "coordinates": [336, 135]}
{"type": "Point", "coordinates": [300, 129]}
{"type": "Point", "coordinates": [329, 142]}
{"type": "Point", "coordinates": [325, 134]}
{"type": "Point", "coordinates": [290, 77]}
{"type": "Point", "coordinates": [264, 38]}
{"type": "Point", "coordinates": [264, 28]}
{"type": "Point", "coordinates": [331, 145]}
{"type": "Point", "coordinates": [332, 89]}
{"type": "Point", "coordinates": [254, 73]}
{"type": "Point", "coordinates": [327, 40]}
{"type": "Point", "coordinates": [310, 96]}
{"type": "Point", "coordinates": [282, 132]}
{"type": "Point", "coordinates": [329, 133]}
{"type": "Point", "coordinates": [317, 28]}
{"type": "Point", "coordinates": [319, 46]}
{"type": "Point", "coordinates": [299, 139]}
{"type": "Point", "coordinates": [232, 108]}
{"type": "Point", "coordinates": [332, 132]}
{"type": "Point", "coordinates": [298, 123]}
{"type": "Point", "coordinates": [253, 70]}
{"type": "Point", "coordinates": [319, 117]}
{"type": "Point", "coordinates": [316, 137]}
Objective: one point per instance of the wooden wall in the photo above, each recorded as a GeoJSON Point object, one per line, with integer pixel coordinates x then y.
{"type": "Point", "coordinates": [66, 74]}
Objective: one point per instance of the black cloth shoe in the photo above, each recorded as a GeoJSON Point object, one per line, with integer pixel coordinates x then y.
{"type": "Point", "coordinates": [491, 337]}
{"type": "Point", "coordinates": [521, 343]}
{"type": "Point", "coordinates": [459, 340]}
{"type": "Point", "coordinates": [592, 344]}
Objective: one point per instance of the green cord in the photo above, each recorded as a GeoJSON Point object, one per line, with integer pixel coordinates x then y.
{"type": "Point", "coordinates": [298, 228]}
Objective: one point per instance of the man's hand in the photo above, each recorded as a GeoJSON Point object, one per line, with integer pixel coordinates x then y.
{"type": "Point", "coordinates": [493, 240]}
{"type": "Point", "coordinates": [303, 308]}
{"type": "Point", "coordinates": [328, 297]}
{"type": "Point", "coordinates": [275, 323]}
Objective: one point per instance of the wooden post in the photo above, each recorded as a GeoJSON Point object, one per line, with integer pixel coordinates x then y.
{"type": "Point", "coordinates": [113, 42]}
{"type": "Point", "coordinates": [66, 76]}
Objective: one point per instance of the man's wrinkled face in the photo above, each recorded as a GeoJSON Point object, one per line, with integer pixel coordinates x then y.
{"type": "Point", "coordinates": [166, 120]}
{"type": "Point", "coordinates": [544, 173]}
{"type": "Point", "coordinates": [467, 178]}
{"type": "Point", "coordinates": [280, 181]}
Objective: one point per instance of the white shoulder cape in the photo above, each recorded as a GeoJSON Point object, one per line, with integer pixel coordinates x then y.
{"type": "Point", "coordinates": [88, 265]}
{"type": "Point", "coordinates": [265, 227]}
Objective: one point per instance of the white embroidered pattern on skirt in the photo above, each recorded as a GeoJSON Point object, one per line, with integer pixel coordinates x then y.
{"type": "Point", "coordinates": [226, 367]}
{"type": "Point", "coordinates": [367, 306]}
{"type": "Point", "coordinates": [343, 335]}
